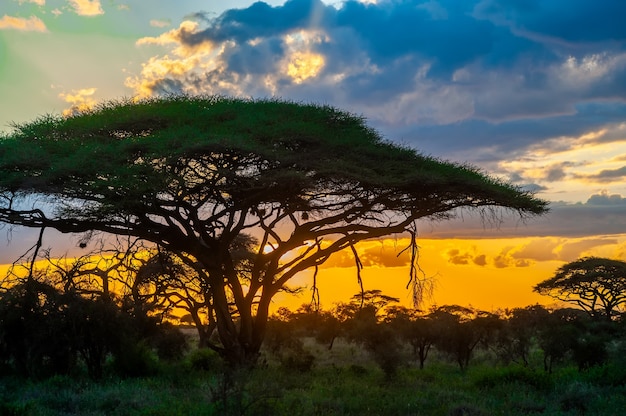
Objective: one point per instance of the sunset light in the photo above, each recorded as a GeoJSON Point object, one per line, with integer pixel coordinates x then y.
{"type": "Point", "coordinates": [304, 65]}
{"type": "Point", "coordinates": [313, 207]}
{"type": "Point", "coordinates": [524, 99]}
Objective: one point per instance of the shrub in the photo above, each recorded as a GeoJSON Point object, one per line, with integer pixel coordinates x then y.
{"type": "Point", "coordinates": [513, 375]}
{"type": "Point", "coordinates": [169, 341]}
{"type": "Point", "coordinates": [204, 359]}
{"type": "Point", "coordinates": [135, 360]}
{"type": "Point", "coordinates": [578, 397]}
{"type": "Point", "coordinates": [297, 359]}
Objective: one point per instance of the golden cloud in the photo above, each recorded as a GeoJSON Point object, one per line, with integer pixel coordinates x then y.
{"type": "Point", "coordinates": [175, 36]}
{"type": "Point", "coordinates": [300, 63]}
{"type": "Point", "coordinates": [87, 7]}
{"type": "Point", "coordinates": [32, 24]}
{"type": "Point", "coordinates": [156, 69]}
{"type": "Point", "coordinates": [526, 252]}
{"type": "Point", "coordinates": [382, 253]}
{"type": "Point", "coordinates": [465, 257]}
{"type": "Point", "coordinates": [37, 2]}
{"type": "Point", "coordinates": [304, 65]}
{"type": "Point", "coordinates": [80, 100]}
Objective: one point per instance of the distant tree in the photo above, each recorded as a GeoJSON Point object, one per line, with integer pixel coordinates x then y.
{"type": "Point", "coordinates": [414, 328]}
{"type": "Point", "coordinates": [558, 335]}
{"type": "Point", "coordinates": [43, 331]}
{"type": "Point", "coordinates": [367, 328]}
{"type": "Point", "coordinates": [597, 285]}
{"type": "Point", "coordinates": [373, 298]}
{"type": "Point", "coordinates": [65, 314]}
{"type": "Point", "coordinates": [193, 174]}
{"type": "Point", "coordinates": [34, 340]}
{"type": "Point", "coordinates": [461, 329]}
{"type": "Point", "coordinates": [518, 333]}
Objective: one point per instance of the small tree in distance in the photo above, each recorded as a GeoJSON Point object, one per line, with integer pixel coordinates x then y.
{"type": "Point", "coordinates": [597, 285]}
{"type": "Point", "coordinates": [194, 174]}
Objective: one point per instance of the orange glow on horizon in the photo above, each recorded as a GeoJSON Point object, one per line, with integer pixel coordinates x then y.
{"type": "Point", "coordinates": [488, 274]}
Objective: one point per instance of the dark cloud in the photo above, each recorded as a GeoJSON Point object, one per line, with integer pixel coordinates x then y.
{"type": "Point", "coordinates": [462, 258]}
{"type": "Point", "coordinates": [606, 175]}
{"type": "Point", "coordinates": [606, 199]}
{"type": "Point", "coordinates": [482, 141]}
{"type": "Point", "coordinates": [571, 21]}
{"type": "Point", "coordinates": [263, 20]}
{"type": "Point", "coordinates": [455, 256]}
{"type": "Point", "coordinates": [257, 59]}
{"type": "Point", "coordinates": [480, 260]}
{"type": "Point", "coordinates": [603, 214]}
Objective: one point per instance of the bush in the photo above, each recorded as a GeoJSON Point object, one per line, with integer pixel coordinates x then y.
{"type": "Point", "coordinates": [578, 397]}
{"type": "Point", "coordinates": [514, 375]}
{"type": "Point", "coordinates": [135, 360]}
{"type": "Point", "coordinates": [169, 341]}
{"type": "Point", "coordinates": [297, 359]}
{"type": "Point", "coordinates": [205, 359]}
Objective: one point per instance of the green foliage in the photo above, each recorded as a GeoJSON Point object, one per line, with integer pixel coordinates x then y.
{"type": "Point", "coordinates": [205, 359]}
{"type": "Point", "coordinates": [127, 136]}
{"type": "Point", "coordinates": [439, 390]}
{"type": "Point", "coordinates": [135, 359]}
{"type": "Point", "coordinates": [514, 375]}
{"type": "Point", "coordinates": [578, 396]}
{"type": "Point", "coordinates": [284, 341]}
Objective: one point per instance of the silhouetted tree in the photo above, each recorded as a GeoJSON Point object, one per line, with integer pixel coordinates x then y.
{"type": "Point", "coordinates": [414, 328]}
{"type": "Point", "coordinates": [461, 330]}
{"type": "Point", "coordinates": [597, 285]}
{"type": "Point", "coordinates": [377, 337]}
{"type": "Point", "coordinates": [518, 333]}
{"type": "Point", "coordinates": [558, 335]}
{"type": "Point", "coordinates": [193, 174]}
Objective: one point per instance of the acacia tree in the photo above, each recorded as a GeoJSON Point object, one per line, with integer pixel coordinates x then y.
{"type": "Point", "coordinates": [597, 285]}
{"type": "Point", "coordinates": [192, 174]}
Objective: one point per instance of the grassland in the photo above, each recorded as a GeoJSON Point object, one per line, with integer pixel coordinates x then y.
{"type": "Point", "coordinates": [343, 381]}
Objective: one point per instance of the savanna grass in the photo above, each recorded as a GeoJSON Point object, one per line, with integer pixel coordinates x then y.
{"type": "Point", "coordinates": [335, 385]}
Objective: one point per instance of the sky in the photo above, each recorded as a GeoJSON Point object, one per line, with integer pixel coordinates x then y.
{"type": "Point", "coordinates": [531, 91]}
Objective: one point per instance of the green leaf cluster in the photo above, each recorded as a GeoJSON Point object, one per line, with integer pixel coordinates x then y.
{"type": "Point", "coordinates": [123, 153]}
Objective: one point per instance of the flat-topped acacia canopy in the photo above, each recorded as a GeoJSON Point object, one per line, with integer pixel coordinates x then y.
{"type": "Point", "coordinates": [193, 173]}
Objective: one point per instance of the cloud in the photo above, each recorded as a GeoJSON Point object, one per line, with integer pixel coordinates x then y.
{"type": "Point", "coordinates": [460, 257]}
{"type": "Point", "coordinates": [580, 21]}
{"type": "Point", "coordinates": [383, 253]}
{"type": "Point", "coordinates": [432, 63]}
{"type": "Point", "coordinates": [32, 24]}
{"type": "Point", "coordinates": [606, 175]}
{"type": "Point", "coordinates": [87, 7]}
{"type": "Point", "coordinates": [80, 100]}
{"type": "Point", "coordinates": [37, 2]}
{"type": "Point", "coordinates": [601, 215]}
{"type": "Point", "coordinates": [604, 198]}
{"type": "Point", "coordinates": [160, 23]}
{"type": "Point", "coordinates": [536, 250]}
